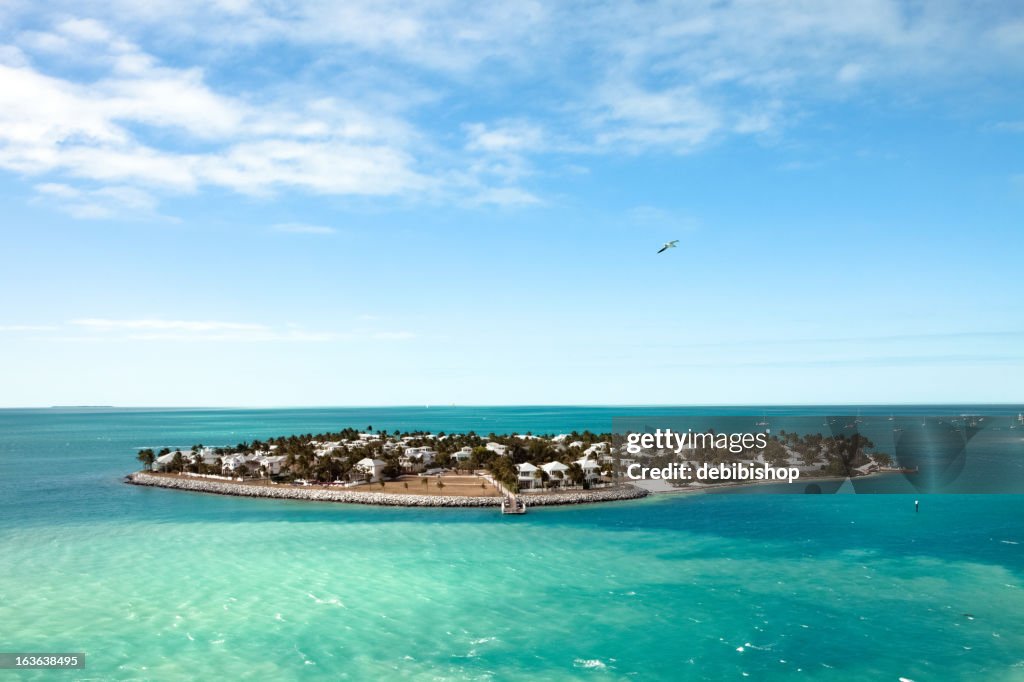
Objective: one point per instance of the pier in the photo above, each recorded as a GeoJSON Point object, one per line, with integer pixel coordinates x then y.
{"type": "Point", "coordinates": [512, 504]}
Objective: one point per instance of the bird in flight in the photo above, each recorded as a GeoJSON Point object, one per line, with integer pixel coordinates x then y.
{"type": "Point", "coordinates": [669, 245]}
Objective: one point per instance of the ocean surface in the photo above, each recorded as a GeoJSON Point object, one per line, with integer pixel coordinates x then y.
{"type": "Point", "coordinates": [161, 584]}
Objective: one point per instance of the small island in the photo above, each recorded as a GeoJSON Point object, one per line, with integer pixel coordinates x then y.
{"type": "Point", "coordinates": [419, 468]}
{"type": "Point", "coordinates": [399, 469]}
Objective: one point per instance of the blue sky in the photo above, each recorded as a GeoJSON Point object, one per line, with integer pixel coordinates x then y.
{"type": "Point", "coordinates": [239, 204]}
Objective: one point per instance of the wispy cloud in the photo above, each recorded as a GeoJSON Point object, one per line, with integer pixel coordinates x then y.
{"type": "Point", "coordinates": [87, 130]}
{"type": "Point", "coordinates": [17, 328]}
{"type": "Point", "coordinates": [103, 202]}
{"type": "Point", "coordinates": [505, 137]}
{"type": "Point", "coordinates": [156, 323]}
{"type": "Point", "coordinates": [153, 329]}
{"type": "Point", "coordinates": [393, 336]}
{"type": "Point", "coordinates": [302, 228]}
{"type": "Point", "coordinates": [107, 121]}
{"type": "Point", "coordinates": [504, 197]}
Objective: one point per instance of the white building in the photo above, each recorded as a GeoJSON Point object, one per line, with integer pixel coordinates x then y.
{"type": "Point", "coordinates": [526, 476]}
{"type": "Point", "coordinates": [426, 454]}
{"type": "Point", "coordinates": [163, 462]}
{"type": "Point", "coordinates": [416, 459]}
{"type": "Point", "coordinates": [463, 455]}
{"type": "Point", "coordinates": [373, 467]}
{"type": "Point", "coordinates": [325, 447]}
{"type": "Point", "coordinates": [236, 461]}
{"type": "Point", "coordinates": [591, 468]}
{"type": "Point", "coordinates": [272, 463]}
{"type": "Point", "coordinates": [556, 471]}
{"type": "Point", "coordinates": [497, 448]}
{"type": "Point", "coordinates": [205, 455]}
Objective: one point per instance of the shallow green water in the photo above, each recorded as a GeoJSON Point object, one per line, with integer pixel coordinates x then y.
{"type": "Point", "coordinates": [158, 584]}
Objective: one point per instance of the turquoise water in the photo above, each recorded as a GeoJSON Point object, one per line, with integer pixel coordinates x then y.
{"type": "Point", "coordinates": [158, 584]}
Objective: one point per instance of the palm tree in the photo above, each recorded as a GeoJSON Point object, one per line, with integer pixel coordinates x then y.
{"type": "Point", "coordinates": [147, 458]}
{"type": "Point", "coordinates": [541, 476]}
{"type": "Point", "coordinates": [576, 474]}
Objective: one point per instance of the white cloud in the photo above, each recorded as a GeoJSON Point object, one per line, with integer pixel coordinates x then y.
{"type": "Point", "coordinates": [393, 336]}
{"type": "Point", "coordinates": [87, 30]}
{"type": "Point", "coordinates": [91, 131]}
{"type": "Point", "coordinates": [154, 329]}
{"type": "Point", "coordinates": [505, 136]}
{"type": "Point", "coordinates": [83, 101]}
{"type": "Point", "coordinates": [26, 328]}
{"type": "Point", "coordinates": [450, 36]}
{"type": "Point", "coordinates": [103, 202]}
{"type": "Point", "coordinates": [677, 119]}
{"type": "Point", "coordinates": [161, 324]}
{"type": "Point", "coordinates": [504, 197]}
{"type": "Point", "coordinates": [302, 228]}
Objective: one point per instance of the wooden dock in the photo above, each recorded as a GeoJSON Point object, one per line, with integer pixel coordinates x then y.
{"type": "Point", "coordinates": [511, 504]}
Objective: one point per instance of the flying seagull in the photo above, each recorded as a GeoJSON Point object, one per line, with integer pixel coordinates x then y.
{"type": "Point", "coordinates": [669, 245]}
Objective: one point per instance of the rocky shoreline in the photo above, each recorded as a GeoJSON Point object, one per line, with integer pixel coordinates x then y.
{"type": "Point", "coordinates": [313, 494]}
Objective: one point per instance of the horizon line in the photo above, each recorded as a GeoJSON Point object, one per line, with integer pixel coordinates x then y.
{"type": "Point", "coordinates": [494, 405]}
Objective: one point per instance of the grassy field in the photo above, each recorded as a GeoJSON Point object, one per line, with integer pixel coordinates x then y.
{"type": "Point", "coordinates": [469, 486]}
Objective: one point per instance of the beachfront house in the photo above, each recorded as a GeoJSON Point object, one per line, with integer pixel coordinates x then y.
{"type": "Point", "coordinates": [526, 476]}
{"type": "Point", "coordinates": [596, 449]}
{"type": "Point", "coordinates": [591, 469]}
{"type": "Point", "coordinates": [556, 471]}
{"type": "Point", "coordinates": [163, 462]}
{"type": "Point", "coordinates": [233, 463]}
{"type": "Point", "coordinates": [374, 468]}
{"type": "Point", "coordinates": [272, 463]}
{"type": "Point", "coordinates": [463, 455]}
{"type": "Point", "coordinates": [206, 455]}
